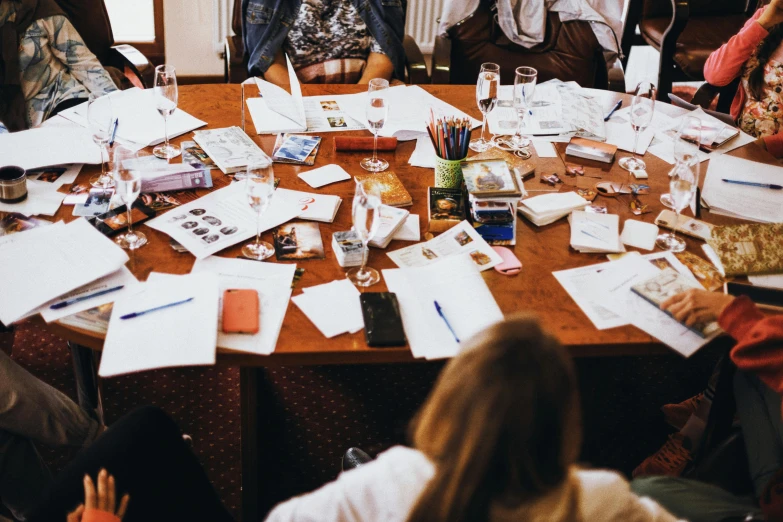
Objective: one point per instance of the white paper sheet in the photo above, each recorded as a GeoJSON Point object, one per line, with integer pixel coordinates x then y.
{"type": "Point", "coordinates": [447, 282]}
{"type": "Point", "coordinates": [181, 335]}
{"type": "Point", "coordinates": [578, 283]}
{"type": "Point", "coordinates": [410, 229]}
{"type": "Point", "coordinates": [26, 235]}
{"type": "Point", "coordinates": [424, 153]}
{"type": "Point", "coordinates": [42, 199]}
{"type": "Point", "coordinates": [313, 207]}
{"type": "Point", "coordinates": [51, 175]}
{"type": "Point", "coordinates": [41, 266]}
{"type": "Point", "coordinates": [334, 308]}
{"type": "Point", "coordinates": [459, 239]}
{"type": "Point", "coordinates": [639, 234]}
{"type": "Point", "coordinates": [544, 149]}
{"type": "Point", "coordinates": [595, 232]}
{"type": "Point", "coordinates": [755, 203]}
{"type": "Point", "coordinates": [232, 220]}
{"type": "Point", "coordinates": [47, 146]}
{"type": "Point", "coordinates": [272, 281]}
{"type": "Point", "coordinates": [325, 175]}
{"type": "Point", "coordinates": [771, 281]}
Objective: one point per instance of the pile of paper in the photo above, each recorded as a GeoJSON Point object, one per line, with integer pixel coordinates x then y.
{"type": "Point", "coordinates": [47, 146]}
{"type": "Point", "coordinates": [447, 282]}
{"type": "Point", "coordinates": [548, 208]}
{"type": "Point", "coordinates": [595, 233]}
{"type": "Point", "coordinates": [313, 207]}
{"type": "Point", "coordinates": [392, 220]}
{"type": "Point", "coordinates": [333, 308]}
{"type": "Point", "coordinates": [743, 201]}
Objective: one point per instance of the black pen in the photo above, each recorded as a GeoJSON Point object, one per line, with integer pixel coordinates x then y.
{"type": "Point", "coordinates": [69, 302]}
{"type": "Point", "coordinates": [617, 106]}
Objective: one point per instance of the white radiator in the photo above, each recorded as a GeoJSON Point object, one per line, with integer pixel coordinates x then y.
{"type": "Point", "coordinates": [221, 23]}
{"type": "Point", "coordinates": [422, 22]}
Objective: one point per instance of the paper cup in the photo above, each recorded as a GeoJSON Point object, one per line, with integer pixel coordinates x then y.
{"type": "Point", "coordinates": [448, 173]}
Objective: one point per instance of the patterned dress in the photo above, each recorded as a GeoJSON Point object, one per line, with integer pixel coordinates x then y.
{"type": "Point", "coordinates": [329, 38]}
{"type": "Point", "coordinates": [55, 65]}
{"type": "Point", "coordinates": [763, 117]}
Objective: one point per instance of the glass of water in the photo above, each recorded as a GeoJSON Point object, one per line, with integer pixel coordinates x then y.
{"type": "Point", "coordinates": [166, 99]}
{"type": "Point", "coordinates": [377, 111]}
{"type": "Point", "coordinates": [642, 109]}
{"type": "Point", "coordinates": [259, 187]}
{"type": "Point", "coordinates": [101, 124]}
{"type": "Point", "coordinates": [486, 98]}
{"type": "Point", "coordinates": [366, 220]}
{"type": "Point", "coordinates": [682, 188]}
{"type": "Point", "coordinates": [524, 87]}
{"type": "Point", "coordinates": [127, 181]}
{"type": "Point", "coordinates": [686, 148]}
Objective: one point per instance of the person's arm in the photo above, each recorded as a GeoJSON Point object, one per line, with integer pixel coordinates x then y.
{"type": "Point", "coordinates": [378, 66]}
{"type": "Point", "coordinates": [726, 63]}
{"type": "Point", "coordinates": [278, 72]}
{"type": "Point", "coordinates": [773, 144]}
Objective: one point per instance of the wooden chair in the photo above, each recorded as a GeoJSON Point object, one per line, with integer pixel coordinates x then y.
{"type": "Point", "coordinates": [570, 51]}
{"type": "Point", "coordinates": [91, 20]}
{"type": "Point", "coordinates": [685, 33]}
{"type": "Point", "coordinates": [235, 60]}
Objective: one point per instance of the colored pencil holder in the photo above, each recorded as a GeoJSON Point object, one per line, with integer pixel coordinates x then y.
{"type": "Point", "coordinates": [448, 173]}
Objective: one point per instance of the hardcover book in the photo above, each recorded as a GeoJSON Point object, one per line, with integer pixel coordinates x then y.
{"type": "Point", "coordinates": [591, 150]}
{"type": "Point", "coordinates": [446, 208]}
{"type": "Point", "coordinates": [296, 149]}
{"type": "Point", "coordinates": [393, 192]}
{"type": "Point", "coordinates": [749, 249]}
{"type": "Point", "coordinates": [490, 178]}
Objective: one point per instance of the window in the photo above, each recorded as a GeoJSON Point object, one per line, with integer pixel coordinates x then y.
{"type": "Point", "coordinates": [139, 22]}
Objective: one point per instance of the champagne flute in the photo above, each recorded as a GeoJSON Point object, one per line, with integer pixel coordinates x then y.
{"type": "Point", "coordinates": [127, 180]}
{"type": "Point", "coordinates": [524, 87]}
{"type": "Point", "coordinates": [166, 97]}
{"type": "Point", "coordinates": [686, 148]}
{"type": "Point", "coordinates": [682, 187]}
{"type": "Point", "coordinates": [377, 111]}
{"type": "Point", "coordinates": [642, 109]}
{"type": "Point", "coordinates": [259, 187]}
{"type": "Point", "coordinates": [366, 220]}
{"type": "Point", "coordinates": [100, 121]}
{"type": "Point", "coordinates": [486, 98]}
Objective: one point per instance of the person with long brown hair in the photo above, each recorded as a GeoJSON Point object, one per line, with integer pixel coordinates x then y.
{"type": "Point", "coordinates": [496, 440]}
{"type": "Point", "coordinates": [755, 55]}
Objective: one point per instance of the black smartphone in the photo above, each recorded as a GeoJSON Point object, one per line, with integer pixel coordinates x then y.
{"type": "Point", "coordinates": [382, 321]}
{"type": "Point", "coordinates": [763, 296]}
{"type": "Point", "coordinates": [116, 220]}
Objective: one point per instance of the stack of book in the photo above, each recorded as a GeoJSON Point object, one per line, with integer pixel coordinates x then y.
{"type": "Point", "coordinates": [391, 221]}
{"type": "Point", "coordinates": [446, 208]}
{"type": "Point", "coordinates": [546, 209]}
{"type": "Point", "coordinates": [595, 233]}
{"type": "Point", "coordinates": [347, 248]}
{"type": "Point", "coordinates": [493, 193]}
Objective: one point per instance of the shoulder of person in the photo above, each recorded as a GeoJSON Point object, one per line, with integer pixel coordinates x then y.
{"type": "Point", "coordinates": [601, 481]}
{"type": "Point", "coordinates": [397, 461]}
{"type": "Point", "coordinates": [606, 495]}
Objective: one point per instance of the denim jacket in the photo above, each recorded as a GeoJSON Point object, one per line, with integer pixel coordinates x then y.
{"type": "Point", "coordinates": [266, 24]}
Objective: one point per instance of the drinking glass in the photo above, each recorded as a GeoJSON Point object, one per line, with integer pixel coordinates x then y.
{"type": "Point", "coordinates": [366, 220]}
{"type": "Point", "coordinates": [682, 188]}
{"type": "Point", "coordinates": [486, 98]}
{"type": "Point", "coordinates": [524, 87]}
{"type": "Point", "coordinates": [642, 109]}
{"type": "Point", "coordinates": [260, 187]}
{"type": "Point", "coordinates": [376, 112]}
{"type": "Point", "coordinates": [686, 148]}
{"type": "Point", "coordinates": [166, 97]}
{"type": "Point", "coordinates": [127, 181]}
{"type": "Point", "coordinates": [100, 121]}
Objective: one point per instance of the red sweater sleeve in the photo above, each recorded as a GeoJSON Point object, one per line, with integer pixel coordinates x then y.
{"type": "Point", "coordinates": [759, 347]}
{"type": "Point", "coordinates": [725, 64]}
{"type": "Point", "coordinates": [96, 515]}
{"type": "Point", "coordinates": [774, 144]}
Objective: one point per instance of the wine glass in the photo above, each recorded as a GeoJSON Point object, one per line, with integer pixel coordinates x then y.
{"type": "Point", "coordinates": [682, 188]}
{"type": "Point", "coordinates": [127, 181]}
{"type": "Point", "coordinates": [642, 109]}
{"type": "Point", "coordinates": [376, 112]}
{"type": "Point", "coordinates": [366, 220]}
{"type": "Point", "coordinates": [101, 124]}
{"type": "Point", "coordinates": [524, 87]}
{"type": "Point", "coordinates": [166, 96]}
{"type": "Point", "coordinates": [486, 98]}
{"type": "Point", "coordinates": [259, 187]}
{"type": "Point", "coordinates": [686, 148]}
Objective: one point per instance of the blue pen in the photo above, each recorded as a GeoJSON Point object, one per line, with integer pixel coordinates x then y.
{"type": "Point", "coordinates": [448, 325]}
{"type": "Point", "coordinates": [139, 314]}
{"type": "Point", "coordinates": [114, 131]}
{"type": "Point", "coordinates": [69, 302]}
{"type": "Point", "coordinates": [617, 106]}
{"type": "Point", "coordinates": [752, 184]}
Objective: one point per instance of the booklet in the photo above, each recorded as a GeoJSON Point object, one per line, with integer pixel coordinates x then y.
{"type": "Point", "coordinates": [230, 148]}
{"type": "Point", "coordinates": [296, 149]}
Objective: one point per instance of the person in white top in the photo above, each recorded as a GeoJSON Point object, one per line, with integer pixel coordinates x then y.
{"type": "Point", "coordinates": [497, 440]}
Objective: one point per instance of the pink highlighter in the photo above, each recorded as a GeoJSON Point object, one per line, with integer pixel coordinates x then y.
{"type": "Point", "coordinates": [510, 265]}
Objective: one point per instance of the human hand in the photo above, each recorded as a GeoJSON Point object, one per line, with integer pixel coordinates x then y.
{"type": "Point", "coordinates": [104, 499]}
{"type": "Point", "coordinates": [772, 15]}
{"type": "Point", "coordinates": [697, 306]}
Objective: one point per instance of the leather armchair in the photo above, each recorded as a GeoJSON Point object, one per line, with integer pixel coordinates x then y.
{"type": "Point", "coordinates": [91, 20]}
{"type": "Point", "coordinates": [685, 32]}
{"type": "Point", "coordinates": [235, 59]}
{"type": "Point", "coordinates": [569, 52]}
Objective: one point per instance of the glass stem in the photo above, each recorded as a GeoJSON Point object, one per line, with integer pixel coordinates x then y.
{"type": "Point", "coordinates": [128, 210]}
{"type": "Point", "coordinates": [166, 131]}
{"type": "Point", "coordinates": [676, 224]}
{"type": "Point", "coordinates": [258, 230]}
{"type": "Point", "coordinates": [375, 146]}
{"type": "Point", "coordinates": [635, 144]}
{"type": "Point", "coordinates": [520, 119]}
{"type": "Point", "coordinates": [483, 124]}
{"type": "Point", "coordinates": [365, 255]}
{"type": "Point", "coordinates": [103, 163]}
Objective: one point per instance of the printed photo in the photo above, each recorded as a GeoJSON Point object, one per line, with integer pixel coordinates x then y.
{"type": "Point", "coordinates": [463, 238]}
{"type": "Point", "coordinates": [480, 258]}
{"type": "Point", "coordinates": [298, 240]}
{"type": "Point", "coordinates": [296, 148]}
{"type": "Point", "coordinates": [215, 222]}
{"type": "Point", "coordinates": [159, 201]}
{"type": "Point", "coordinates": [49, 175]}
{"type": "Point", "coordinates": [120, 221]}
{"type": "Point", "coordinates": [200, 231]}
{"type": "Point", "coordinates": [330, 105]}
{"type": "Point", "coordinates": [429, 254]}
{"type": "Point", "coordinates": [337, 123]}
{"type": "Point", "coordinates": [227, 231]}
{"type": "Point", "coordinates": [189, 224]}
{"type": "Point", "coordinates": [97, 203]}
{"type": "Point", "coordinates": [13, 223]}
{"type": "Point", "coordinates": [210, 238]}
{"type": "Point", "coordinates": [491, 176]}
{"type": "Point", "coordinates": [180, 217]}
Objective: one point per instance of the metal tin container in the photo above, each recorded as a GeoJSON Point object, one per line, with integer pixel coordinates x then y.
{"type": "Point", "coordinates": [13, 184]}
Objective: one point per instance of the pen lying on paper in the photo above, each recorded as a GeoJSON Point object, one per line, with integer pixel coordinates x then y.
{"type": "Point", "coordinates": [114, 131]}
{"type": "Point", "coordinates": [752, 184]}
{"type": "Point", "coordinates": [69, 302]}
{"type": "Point", "coordinates": [139, 314]}
{"type": "Point", "coordinates": [617, 106]}
{"type": "Point", "coordinates": [448, 325]}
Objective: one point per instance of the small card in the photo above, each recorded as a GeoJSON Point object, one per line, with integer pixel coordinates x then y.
{"type": "Point", "coordinates": [325, 175]}
{"type": "Point", "coordinates": [77, 194]}
{"type": "Point", "coordinates": [298, 240]}
{"type": "Point", "coordinates": [295, 148]}
{"type": "Point", "coordinates": [97, 203]}
{"type": "Point", "coordinates": [639, 234]}
{"type": "Point", "coordinates": [409, 231]}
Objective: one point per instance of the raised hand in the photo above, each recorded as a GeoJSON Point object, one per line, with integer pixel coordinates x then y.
{"type": "Point", "coordinates": [104, 498]}
{"type": "Point", "coordinates": [772, 15]}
